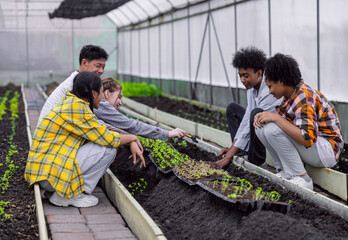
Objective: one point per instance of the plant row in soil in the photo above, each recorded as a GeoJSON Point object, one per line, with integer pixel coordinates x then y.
{"type": "Point", "coordinates": [17, 211]}
{"type": "Point", "coordinates": [188, 212]}
{"type": "Point", "coordinates": [211, 118]}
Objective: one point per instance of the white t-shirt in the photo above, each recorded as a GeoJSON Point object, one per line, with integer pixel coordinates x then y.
{"type": "Point", "coordinates": [57, 95]}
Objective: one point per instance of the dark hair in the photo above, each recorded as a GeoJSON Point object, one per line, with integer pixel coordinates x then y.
{"type": "Point", "coordinates": [84, 83]}
{"type": "Point", "coordinates": [249, 57]}
{"type": "Point", "coordinates": [283, 68]}
{"type": "Point", "coordinates": [91, 52]}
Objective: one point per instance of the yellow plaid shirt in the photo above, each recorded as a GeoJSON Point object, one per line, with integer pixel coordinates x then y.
{"type": "Point", "coordinates": [56, 141]}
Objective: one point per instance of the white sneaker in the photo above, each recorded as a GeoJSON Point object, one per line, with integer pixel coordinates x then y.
{"type": "Point", "coordinates": [301, 182]}
{"type": "Point", "coordinates": [81, 200]}
{"type": "Point", "coordinates": [282, 174]}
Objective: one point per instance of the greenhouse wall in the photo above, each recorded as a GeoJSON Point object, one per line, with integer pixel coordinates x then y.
{"type": "Point", "coordinates": [39, 50]}
{"type": "Point", "coordinates": [199, 48]}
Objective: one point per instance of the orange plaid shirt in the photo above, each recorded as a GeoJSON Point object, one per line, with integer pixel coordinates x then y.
{"type": "Point", "coordinates": [314, 115]}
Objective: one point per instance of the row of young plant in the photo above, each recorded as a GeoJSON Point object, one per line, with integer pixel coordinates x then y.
{"type": "Point", "coordinates": [8, 165]}
{"type": "Point", "coordinates": [167, 158]}
{"type": "Point", "coordinates": [132, 89]}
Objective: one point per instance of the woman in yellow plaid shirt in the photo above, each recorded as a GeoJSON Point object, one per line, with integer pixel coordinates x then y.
{"type": "Point", "coordinates": [71, 150]}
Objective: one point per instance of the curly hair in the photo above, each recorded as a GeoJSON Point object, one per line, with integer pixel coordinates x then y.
{"type": "Point", "coordinates": [250, 57]}
{"type": "Point", "coordinates": [283, 68]}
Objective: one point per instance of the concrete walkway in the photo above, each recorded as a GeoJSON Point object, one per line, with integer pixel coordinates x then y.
{"type": "Point", "coordinates": [71, 223]}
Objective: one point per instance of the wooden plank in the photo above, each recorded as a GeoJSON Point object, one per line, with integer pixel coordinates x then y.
{"type": "Point", "coordinates": [136, 217]}
{"type": "Point", "coordinates": [333, 181]}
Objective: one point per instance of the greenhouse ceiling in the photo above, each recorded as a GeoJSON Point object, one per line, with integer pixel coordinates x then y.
{"type": "Point", "coordinates": [121, 12]}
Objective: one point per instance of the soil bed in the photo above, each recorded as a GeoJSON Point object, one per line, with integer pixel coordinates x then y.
{"type": "Point", "coordinates": [211, 118]}
{"type": "Point", "coordinates": [23, 223]}
{"type": "Point", "coordinates": [188, 212]}
{"type": "Point", "coordinates": [183, 109]}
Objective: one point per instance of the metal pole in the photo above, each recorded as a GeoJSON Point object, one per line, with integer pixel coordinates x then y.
{"type": "Point", "coordinates": [173, 59]}
{"type": "Point", "coordinates": [139, 52]}
{"type": "Point", "coordinates": [201, 50]}
{"type": "Point", "coordinates": [149, 53]}
{"type": "Point", "coordinates": [222, 58]}
{"type": "Point", "coordinates": [236, 45]}
{"type": "Point", "coordinates": [189, 52]}
{"type": "Point", "coordinates": [27, 41]}
{"type": "Point", "coordinates": [160, 55]}
{"type": "Point", "coordinates": [318, 42]}
{"type": "Point", "coordinates": [269, 28]}
{"type": "Point", "coordinates": [210, 67]}
{"type": "Point", "coordinates": [117, 53]}
{"type": "Point", "coordinates": [73, 44]}
{"type": "Point", "coordinates": [131, 54]}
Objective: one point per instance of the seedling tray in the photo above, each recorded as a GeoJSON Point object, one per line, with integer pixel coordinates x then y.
{"type": "Point", "coordinates": [247, 205]}
{"type": "Point", "coordinates": [165, 171]}
{"type": "Point", "coordinates": [188, 181]}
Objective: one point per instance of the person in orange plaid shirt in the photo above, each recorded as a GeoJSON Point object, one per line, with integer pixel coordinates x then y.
{"type": "Point", "coordinates": [304, 129]}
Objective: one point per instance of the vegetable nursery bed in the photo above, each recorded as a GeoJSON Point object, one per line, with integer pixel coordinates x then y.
{"type": "Point", "coordinates": [21, 223]}
{"type": "Point", "coordinates": [189, 212]}
{"type": "Point", "coordinates": [211, 118]}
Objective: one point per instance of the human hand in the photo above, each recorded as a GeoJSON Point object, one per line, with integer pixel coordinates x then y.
{"type": "Point", "coordinates": [177, 133]}
{"type": "Point", "coordinates": [223, 162]}
{"type": "Point", "coordinates": [223, 151]}
{"type": "Point", "coordinates": [262, 118]}
{"type": "Point", "coordinates": [139, 145]}
{"type": "Point", "coordinates": [137, 154]}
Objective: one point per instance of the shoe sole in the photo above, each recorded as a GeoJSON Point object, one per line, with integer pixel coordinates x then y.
{"type": "Point", "coordinates": [71, 204]}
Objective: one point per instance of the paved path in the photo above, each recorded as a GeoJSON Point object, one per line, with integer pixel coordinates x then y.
{"type": "Point", "coordinates": [71, 223]}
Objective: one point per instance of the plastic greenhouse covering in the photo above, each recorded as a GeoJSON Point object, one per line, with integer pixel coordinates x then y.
{"type": "Point", "coordinates": [184, 40]}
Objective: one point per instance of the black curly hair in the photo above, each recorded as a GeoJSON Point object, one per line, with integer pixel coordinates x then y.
{"type": "Point", "coordinates": [84, 83]}
{"type": "Point", "coordinates": [283, 68]}
{"type": "Point", "coordinates": [250, 57]}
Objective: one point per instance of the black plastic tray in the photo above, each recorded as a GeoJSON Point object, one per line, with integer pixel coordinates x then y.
{"type": "Point", "coordinates": [188, 181]}
{"type": "Point", "coordinates": [158, 168]}
{"type": "Point", "coordinates": [249, 205]}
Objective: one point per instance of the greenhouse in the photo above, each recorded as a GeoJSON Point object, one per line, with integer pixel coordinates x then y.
{"type": "Point", "coordinates": [173, 119]}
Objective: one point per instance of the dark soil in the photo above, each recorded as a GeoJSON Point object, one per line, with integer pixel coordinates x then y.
{"type": "Point", "coordinates": [188, 212]}
{"type": "Point", "coordinates": [23, 223]}
{"type": "Point", "coordinates": [183, 109]}
{"type": "Point", "coordinates": [211, 118]}
{"type": "Point", "coordinates": [342, 164]}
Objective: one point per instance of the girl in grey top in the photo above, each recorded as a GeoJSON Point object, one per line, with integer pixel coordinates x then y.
{"type": "Point", "coordinates": [108, 113]}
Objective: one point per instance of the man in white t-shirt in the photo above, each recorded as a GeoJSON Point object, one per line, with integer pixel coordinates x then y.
{"type": "Point", "coordinates": [92, 59]}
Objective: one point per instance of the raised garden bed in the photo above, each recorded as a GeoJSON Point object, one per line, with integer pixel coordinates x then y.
{"type": "Point", "coordinates": [189, 212]}
{"type": "Point", "coordinates": [180, 108]}
{"type": "Point", "coordinates": [333, 180]}
{"type": "Point", "coordinates": [21, 222]}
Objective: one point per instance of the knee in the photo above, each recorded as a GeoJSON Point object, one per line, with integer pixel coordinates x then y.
{"type": "Point", "coordinates": [112, 152]}
{"type": "Point", "coordinates": [272, 130]}
{"type": "Point", "coordinates": [253, 113]}
{"type": "Point", "coordinates": [231, 109]}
